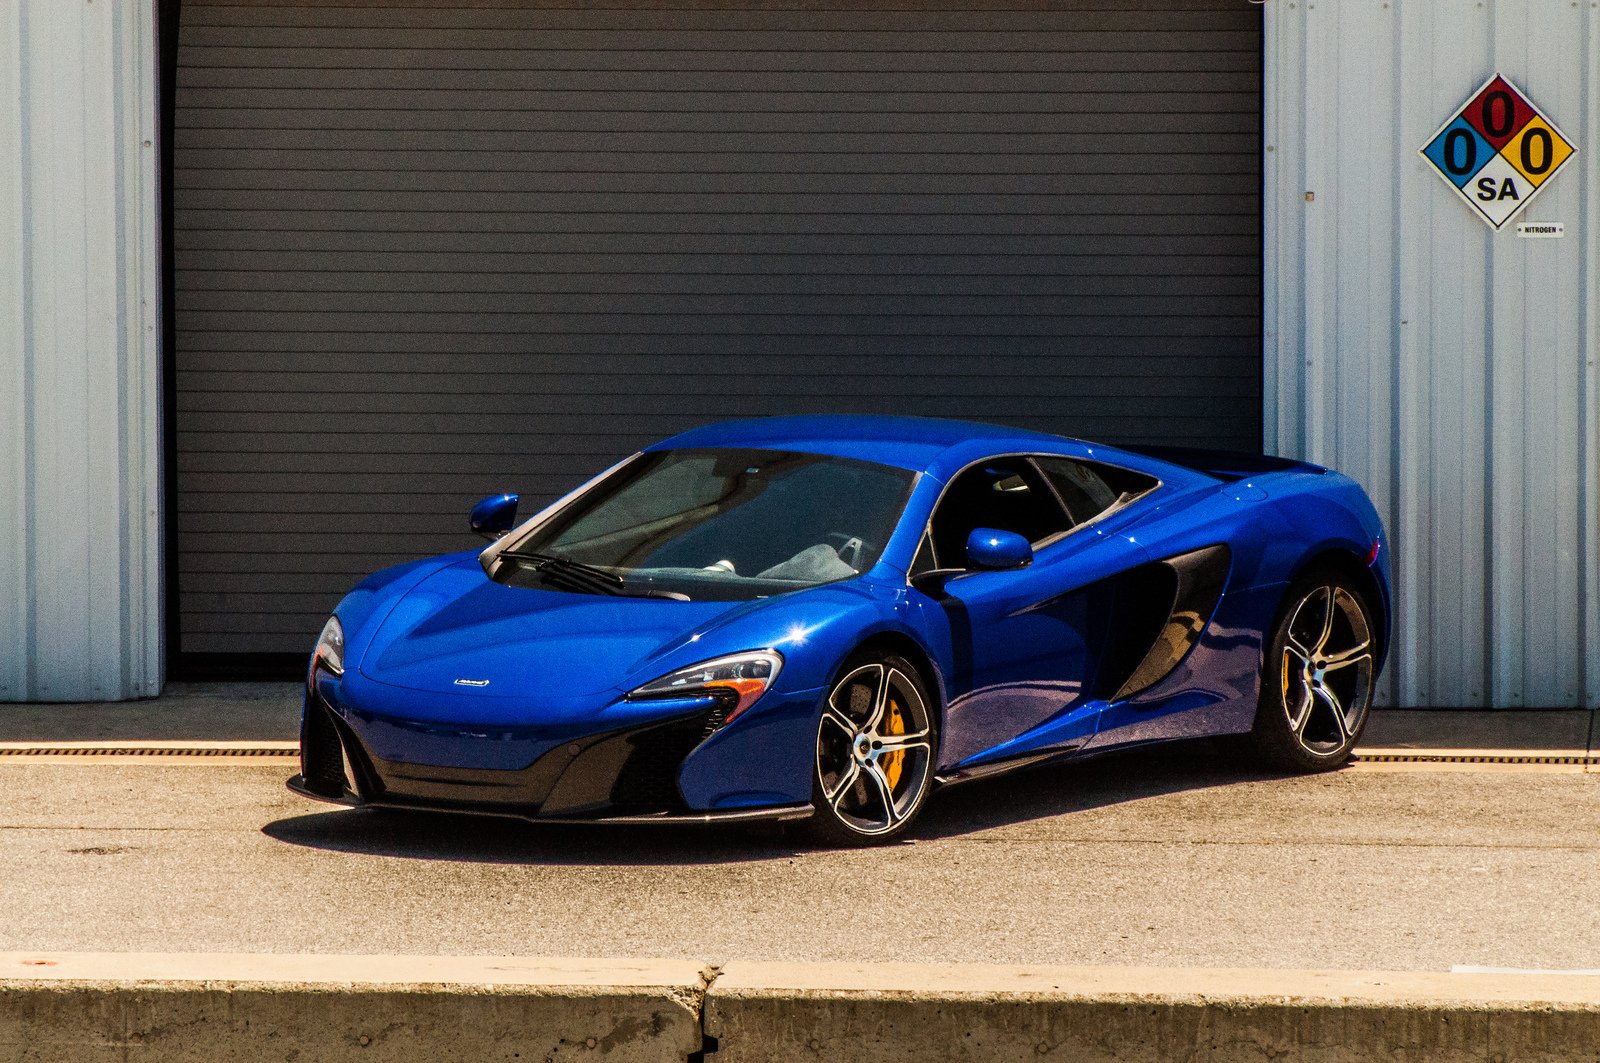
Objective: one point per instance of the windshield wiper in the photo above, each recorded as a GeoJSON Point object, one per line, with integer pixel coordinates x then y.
{"type": "Point", "coordinates": [569, 571]}
{"type": "Point", "coordinates": [575, 575]}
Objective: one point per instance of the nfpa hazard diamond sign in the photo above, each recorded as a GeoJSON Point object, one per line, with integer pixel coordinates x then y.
{"type": "Point", "coordinates": [1498, 151]}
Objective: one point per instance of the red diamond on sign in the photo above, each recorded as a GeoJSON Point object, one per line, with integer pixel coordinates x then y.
{"type": "Point", "coordinates": [1498, 113]}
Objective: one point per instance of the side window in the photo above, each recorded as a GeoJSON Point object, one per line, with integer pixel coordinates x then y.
{"type": "Point", "coordinates": [1088, 489]}
{"type": "Point", "coordinates": [1008, 494]}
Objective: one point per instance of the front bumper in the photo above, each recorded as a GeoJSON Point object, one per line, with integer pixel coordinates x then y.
{"type": "Point", "coordinates": [621, 776]}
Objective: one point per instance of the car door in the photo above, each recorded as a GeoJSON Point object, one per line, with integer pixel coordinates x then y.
{"type": "Point", "coordinates": [1025, 644]}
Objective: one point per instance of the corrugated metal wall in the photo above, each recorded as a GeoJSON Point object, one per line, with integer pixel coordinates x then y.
{"type": "Point", "coordinates": [1449, 368]}
{"type": "Point", "coordinates": [429, 251]}
{"type": "Point", "coordinates": [80, 509]}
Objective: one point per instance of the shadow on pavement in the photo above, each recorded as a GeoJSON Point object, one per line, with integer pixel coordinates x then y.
{"type": "Point", "coordinates": [492, 840]}
{"type": "Point", "coordinates": [1078, 786]}
{"type": "Point", "coordinates": [1036, 794]}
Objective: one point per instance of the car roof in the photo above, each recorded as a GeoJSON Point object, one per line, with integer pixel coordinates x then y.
{"type": "Point", "coordinates": [914, 443]}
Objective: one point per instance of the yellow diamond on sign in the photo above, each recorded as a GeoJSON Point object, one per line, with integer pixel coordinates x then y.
{"type": "Point", "coordinates": [1537, 151]}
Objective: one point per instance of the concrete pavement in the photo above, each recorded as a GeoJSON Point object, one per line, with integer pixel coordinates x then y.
{"type": "Point", "coordinates": [1510, 730]}
{"type": "Point", "coordinates": [188, 907]}
{"type": "Point", "coordinates": [1175, 857]}
{"type": "Point", "coordinates": [186, 711]}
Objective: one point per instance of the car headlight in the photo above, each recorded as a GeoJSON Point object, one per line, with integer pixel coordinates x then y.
{"type": "Point", "coordinates": [329, 654]}
{"type": "Point", "coordinates": [740, 679]}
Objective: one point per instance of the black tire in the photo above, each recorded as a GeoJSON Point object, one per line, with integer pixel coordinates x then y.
{"type": "Point", "coordinates": [1317, 675]}
{"type": "Point", "coordinates": [871, 784]}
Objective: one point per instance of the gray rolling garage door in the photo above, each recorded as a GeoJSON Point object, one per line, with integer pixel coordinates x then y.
{"type": "Point", "coordinates": [428, 252]}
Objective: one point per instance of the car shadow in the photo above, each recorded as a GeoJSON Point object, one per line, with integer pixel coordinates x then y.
{"type": "Point", "coordinates": [1085, 784]}
{"type": "Point", "coordinates": [1035, 794]}
{"type": "Point", "coordinates": [495, 840]}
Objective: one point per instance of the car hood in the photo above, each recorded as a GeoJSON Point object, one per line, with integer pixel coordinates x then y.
{"type": "Point", "coordinates": [458, 630]}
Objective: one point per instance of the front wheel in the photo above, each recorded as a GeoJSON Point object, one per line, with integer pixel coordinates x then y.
{"type": "Point", "coordinates": [1318, 676]}
{"type": "Point", "coordinates": [875, 749]}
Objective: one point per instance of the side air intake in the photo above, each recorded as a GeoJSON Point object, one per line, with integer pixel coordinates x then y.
{"type": "Point", "coordinates": [1200, 577]}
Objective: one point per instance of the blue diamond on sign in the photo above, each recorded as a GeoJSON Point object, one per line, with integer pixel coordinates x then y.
{"type": "Point", "coordinates": [1498, 151]}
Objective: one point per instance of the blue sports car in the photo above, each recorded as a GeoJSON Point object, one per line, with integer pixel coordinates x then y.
{"type": "Point", "coordinates": [826, 618]}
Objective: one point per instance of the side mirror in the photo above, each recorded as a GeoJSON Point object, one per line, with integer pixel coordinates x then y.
{"type": "Point", "coordinates": [494, 516]}
{"type": "Point", "coordinates": [994, 549]}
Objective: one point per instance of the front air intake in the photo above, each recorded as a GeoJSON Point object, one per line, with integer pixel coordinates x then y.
{"type": "Point", "coordinates": [321, 756]}
{"type": "Point", "coordinates": [648, 781]}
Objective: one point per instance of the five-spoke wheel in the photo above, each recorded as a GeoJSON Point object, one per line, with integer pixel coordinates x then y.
{"type": "Point", "coordinates": [1318, 675]}
{"type": "Point", "coordinates": [875, 751]}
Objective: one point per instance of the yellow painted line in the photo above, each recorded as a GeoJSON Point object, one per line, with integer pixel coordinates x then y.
{"type": "Point", "coordinates": [106, 752]}
{"type": "Point", "coordinates": [1383, 767]}
{"type": "Point", "coordinates": [208, 751]}
{"type": "Point", "coordinates": [1436, 753]}
{"type": "Point", "coordinates": [157, 745]}
{"type": "Point", "coordinates": [164, 760]}
{"type": "Point", "coordinates": [1572, 761]}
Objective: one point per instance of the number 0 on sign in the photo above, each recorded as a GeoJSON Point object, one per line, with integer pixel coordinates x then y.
{"type": "Point", "coordinates": [1498, 151]}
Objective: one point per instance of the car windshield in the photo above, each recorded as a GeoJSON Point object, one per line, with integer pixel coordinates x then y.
{"type": "Point", "coordinates": [725, 524]}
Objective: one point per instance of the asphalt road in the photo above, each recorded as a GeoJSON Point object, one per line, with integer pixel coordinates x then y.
{"type": "Point", "coordinates": [1170, 858]}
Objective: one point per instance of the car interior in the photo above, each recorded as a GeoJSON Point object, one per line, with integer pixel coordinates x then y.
{"type": "Point", "coordinates": [1007, 494]}
{"type": "Point", "coordinates": [1039, 499]}
{"type": "Point", "coordinates": [778, 518]}
{"type": "Point", "coordinates": [741, 516]}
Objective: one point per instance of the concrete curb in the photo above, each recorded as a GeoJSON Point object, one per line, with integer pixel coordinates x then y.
{"type": "Point", "coordinates": [890, 1013]}
{"type": "Point", "coordinates": [95, 1007]}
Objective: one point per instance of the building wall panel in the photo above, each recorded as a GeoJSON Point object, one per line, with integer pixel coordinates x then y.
{"type": "Point", "coordinates": [80, 595]}
{"type": "Point", "coordinates": [1448, 367]}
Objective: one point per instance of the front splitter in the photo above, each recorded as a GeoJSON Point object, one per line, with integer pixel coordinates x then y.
{"type": "Point", "coordinates": [736, 815]}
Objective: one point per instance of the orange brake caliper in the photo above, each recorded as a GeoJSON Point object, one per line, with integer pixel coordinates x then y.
{"type": "Point", "coordinates": [894, 723]}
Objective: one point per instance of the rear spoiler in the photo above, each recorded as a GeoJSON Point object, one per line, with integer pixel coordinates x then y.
{"type": "Point", "coordinates": [1225, 464]}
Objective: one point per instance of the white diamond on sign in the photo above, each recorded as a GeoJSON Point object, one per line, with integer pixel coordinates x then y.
{"type": "Point", "coordinates": [1498, 151]}
{"type": "Point", "coordinates": [1496, 191]}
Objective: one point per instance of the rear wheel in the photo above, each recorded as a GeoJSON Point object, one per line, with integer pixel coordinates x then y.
{"type": "Point", "coordinates": [875, 748]}
{"type": "Point", "coordinates": [1318, 676]}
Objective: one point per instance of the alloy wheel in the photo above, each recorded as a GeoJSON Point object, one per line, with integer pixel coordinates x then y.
{"type": "Point", "coordinates": [874, 749]}
{"type": "Point", "coordinates": [1326, 671]}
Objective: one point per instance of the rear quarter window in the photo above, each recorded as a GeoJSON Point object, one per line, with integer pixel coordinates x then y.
{"type": "Point", "coordinates": [1089, 489]}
